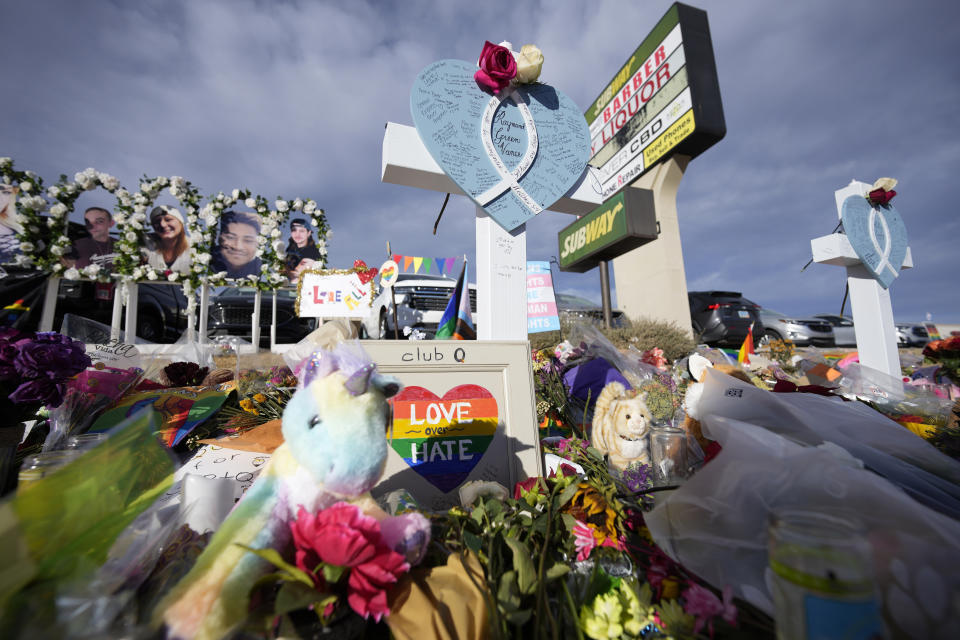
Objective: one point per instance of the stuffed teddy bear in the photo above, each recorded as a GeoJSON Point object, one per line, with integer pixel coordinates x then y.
{"type": "Point", "coordinates": [335, 450]}
{"type": "Point", "coordinates": [621, 424]}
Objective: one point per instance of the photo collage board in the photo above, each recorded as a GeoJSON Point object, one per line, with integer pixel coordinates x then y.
{"type": "Point", "coordinates": [234, 238]}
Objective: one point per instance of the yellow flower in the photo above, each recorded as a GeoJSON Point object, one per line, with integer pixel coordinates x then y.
{"type": "Point", "coordinates": [247, 405]}
{"type": "Point", "coordinates": [602, 620]}
{"type": "Point", "coordinates": [589, 506]}
{"type": "Point", "coordinates": [259, 397]}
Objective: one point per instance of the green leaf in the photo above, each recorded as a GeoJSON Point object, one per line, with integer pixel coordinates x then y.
{"type": "Point", "coordinates": [293, 596]}
{"type": "Point", "coordinates": [477, 513]}
{"type": "Point", "coordinates": [332, 573]}
{"type": "Point", "coordinates": [494, 507]}
{"type": "Point", "coordinates": [519, 617]}
{"type": "Point", "coordinates": [472, 541]}
{"type": "Point", "coordinates": [288, 571]}
{"type": "Point", "coordinates": [556, 571]}
{"type": "Point", "coordinates": [508, 593]}
{"type": "Point", "coordinates": [568, 521]}
{"type": "Point", "coordinates": [595, 454]}
{"type": "Point", "coordinates": [523, 565]}
{"type": "Point", "coordinates": [566, 496]}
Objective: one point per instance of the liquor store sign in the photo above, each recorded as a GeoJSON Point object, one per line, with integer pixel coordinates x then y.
{"type": "Point", "coordinates": [622, 223]}
{"type": "Point", "coordinates": [664, 99]}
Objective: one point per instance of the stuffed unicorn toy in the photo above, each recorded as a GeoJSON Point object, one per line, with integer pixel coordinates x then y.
{"type": "Point", "coordinates": [335, 450]}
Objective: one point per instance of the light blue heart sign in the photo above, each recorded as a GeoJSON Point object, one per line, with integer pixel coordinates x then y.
{"type": "Point", "coordinates": [877, 235]}
{"type": "Point", "coordinates": [514, 154]}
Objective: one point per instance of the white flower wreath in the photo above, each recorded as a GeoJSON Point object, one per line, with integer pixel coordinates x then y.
{"type": "Point", "coordinates": [30, 205]}
{"type": "Point", "coordinates": [284, 210]}
{"type": "Point", "coordinates": [65, 194]}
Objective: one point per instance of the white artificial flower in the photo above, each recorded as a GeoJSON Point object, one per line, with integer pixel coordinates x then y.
{"type": "Point", "coordinates": [172, 276]}
{"type": "Point", "coordinates": [329, 233]}
{"type": "Point", "coordinates": [140, 208]}
{"type": "Point", "coordinates": [314, 223]}
{"type": "Point", "coordinates": [250, 202]}
{"type": "Point", "coordinates": [90, 173]}
{"type": "Point", "coordinates": [310, 207]}
{"type": "Point", "coordinates": [51, 222]}
{"type": "Point", "coordinates": [321, 245]}
{"type": "Point", "coordinates": [151, 275]}
{"type": "Point", "coordinates": [57, 250]}
{"type": "Point", "coordinates": [26, 247]}
{"type": "Point", "coordinates": [178, 181]}
{"type": "Point", "coordinates": [282, 206]}
{"type": "Point", "coordinates": [259, 253]}
{"type": "Point", "coordinates": [26, 186]}
{"type": "Point", "coordinates": [57, 267]}
{"type": "Point", "coordinates": [275, 233]}
{"type": "Point", "coordinates": [130, 236]}
{"type": "Point", "coordinates": [261, 209]}
{"type": "Point", "coordinates": [53, 192]}
{"type": "Point", "coordinates": [70, 187]}
{"type": "Point", "coordinates": [5, 162]}
{"type": "Point", "coordinates": [278, 246]}
{"type": "Point", "coordinates": [235, 194]}
{"type": "Point", "coordinates": [58, 209]}
{"type": "Point", "coordinates": [71, 274]}
{"type": "Point", "coordinates": [203, 258]}
{"type": "Point", "coordinates": [218, 206]}
{"type": "Point", "coordinates": [220, 197]}
{"type": "Point", "coordinates": [136, 224]}
{"type": "Point", "coordinates": [91, 271]}
{"type": "Point", "coordinates": [161, 181]}
{"type": "Point", "coordinates": [197, 268]}
{"type": "Point", "coordinates": [109, 182]}
{"type": "Point", "coordinates": [137, 273]}
{"type": "Point", "coordinates": [191, 219]}
{"type": "Point", "coordinates": [34, 229]}
{"type": "Point", "coordinates": [297, 204]}
{"type": "Point", "coordinates": [192, 210]}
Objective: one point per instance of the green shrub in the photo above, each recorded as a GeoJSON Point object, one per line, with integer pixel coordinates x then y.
{"type": "Point", "coordinates": [642, 334]}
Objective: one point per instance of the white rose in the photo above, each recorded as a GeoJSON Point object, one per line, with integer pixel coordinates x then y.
{"type": "Point", "coordinates": [5, 162]}
{"type": "Point", "coordinates": [474, 489]}
{"type": "Point", "coordinates": [275, 233]}
{"type": "Point", "coordinates": [203, 258]}
{"type": "Point", "coordinates": [71, 274]}
{"type": "Point", "coordinates": [235, 194]}
{"type": "Point", "coordinates": [51, 222]}
{"type": "Point", "coordinates": [57, 267]}
{"type": "Point", "coordinates": [71, 188]}
{"type": "Point", "coordinates": [310, 206]}
{"type": "Point", "coordinates": [130, 236]}
{"type": "Point", "coordinates": [297, 204]}
{"type": "Point", "coordinates": [26, 186]}
{"type": "Point", "coordinates": [172, 276]}
{"type": "Point", "coordinates": [191, 220]}
{"type": "Point", "coordinates": [53, 192]}
{"type": "Point", "coordinates": [250, 202]}
{"type": "Point", "coordinates": [58, 209]}
{"type": "Point", "coordinates": [57, 250]}
{"type": "Point", "coordinates": [151, 275]}
{"type": "Point", "coordinates": [282, 206]}
{"type": "Point", "coordinates": [314, 223]}
{"type": "Point", "coordinates": [529, 63]}
{"type": "Point", "coordinates": [259, 253]}
{"type": "Point", "coordinates": [137, 273]}
{"type": "Point", "coordinates": [34, 229]}
{"type": "Point", "coordinates": [278, 247]}
{"type": "Point", "coordinates": [220, 197]}
{"type": "Point", "coordinates": [261, 209]}
{"type": "Point", "coordinates": [161, 181]}
{"type": "Point", "coordinates": [92, 270]}
{"type": "Point", "coordinates": [26, 247]}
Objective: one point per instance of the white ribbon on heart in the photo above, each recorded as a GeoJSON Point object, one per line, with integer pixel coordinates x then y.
{"type": "Point", "coordinates": [884, 262]}
{"type": "Point", "coordinates": [509, 179]}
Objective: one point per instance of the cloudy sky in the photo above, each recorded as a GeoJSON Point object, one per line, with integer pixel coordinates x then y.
{"type": "Point", "coordinates": [290, 99]}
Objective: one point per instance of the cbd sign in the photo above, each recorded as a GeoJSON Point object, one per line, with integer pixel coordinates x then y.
{"type": "Point", "coordinates": [665, 99]}
{"type": "Point", "coordinates": [621, 224]}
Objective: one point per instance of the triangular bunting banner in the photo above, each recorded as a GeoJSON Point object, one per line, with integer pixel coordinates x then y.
{"type": "Point", "coordinates": [427, 264]}
{"type": "Point", "coordinates": [397, 258]}
{"type": "Point", "coordinates": [406, 262]}
{"type": "Point", "coordinates": [440, 266]}
{"type": "Point", "coordinates": [417, 261]}
{"type": "Point", "coordinates": [450, 263]}
{"type": "Point", "coordinates": [441, 263]}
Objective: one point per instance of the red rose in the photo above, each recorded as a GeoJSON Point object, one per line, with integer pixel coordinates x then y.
{"type": "Point", "coordinates": [497, 67]}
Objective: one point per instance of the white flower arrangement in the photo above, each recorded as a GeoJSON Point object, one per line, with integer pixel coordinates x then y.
{"type": "Point", "coordinates": [28, 213]}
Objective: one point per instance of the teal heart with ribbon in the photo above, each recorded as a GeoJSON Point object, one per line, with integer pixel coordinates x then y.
{"type": "Point", "coordinates": [514, 154]}
{"type": "Point", "coordinates": [877, 235]}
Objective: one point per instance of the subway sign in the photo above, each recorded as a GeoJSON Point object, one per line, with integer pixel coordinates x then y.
{"type": "Point", "coordinates": [621, 224]}
{"type": "Point", "coordinates": [664, 100]}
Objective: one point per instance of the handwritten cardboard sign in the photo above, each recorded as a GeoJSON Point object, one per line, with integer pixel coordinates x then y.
{"type": "Point", "coordinates": [466, 413]}
{"type": "Point", "coordinates": [333, 294]}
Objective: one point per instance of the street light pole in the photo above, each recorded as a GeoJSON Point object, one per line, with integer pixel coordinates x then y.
{"type": "Point", "coordinates": [605, 293]}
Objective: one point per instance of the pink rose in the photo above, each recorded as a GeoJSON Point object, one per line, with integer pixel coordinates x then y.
{"type": "Point", "coordinates": [497, 67]}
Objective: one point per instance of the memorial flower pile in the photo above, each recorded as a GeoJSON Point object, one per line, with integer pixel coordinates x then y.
{"type": "Point", "coordinates": [35, 367]}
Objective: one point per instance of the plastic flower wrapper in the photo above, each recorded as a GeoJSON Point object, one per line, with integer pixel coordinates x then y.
{"type": "Point", "coordinates": [67, 521]}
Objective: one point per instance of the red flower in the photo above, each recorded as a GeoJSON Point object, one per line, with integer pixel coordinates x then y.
{"type": "Point", "coordinates": [342, 536]}
{"type": "Point", "coordinates": [524, 487]}
{"type": "Point", "coordinates": [881, 196]}
{"type": "Point", "coordinates": [497, 67]}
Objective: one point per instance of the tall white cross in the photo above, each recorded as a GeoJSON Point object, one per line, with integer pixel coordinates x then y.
{"type": "Point", "coordinates": [501, 255]}
{"type": "Point", "coordinates": [872, 311]}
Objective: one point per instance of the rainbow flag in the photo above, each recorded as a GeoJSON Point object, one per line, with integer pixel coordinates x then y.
{"type": "Point", "coordinates": [743, 356]}
{"type": "Point", "coordinates": [457, 321]}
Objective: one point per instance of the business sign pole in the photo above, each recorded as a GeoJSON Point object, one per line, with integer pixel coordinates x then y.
{"type": "Point", "coordinates": [661, 109]}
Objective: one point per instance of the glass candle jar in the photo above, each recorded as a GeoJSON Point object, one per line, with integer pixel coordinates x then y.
{"type": "Point", "coordinates": [668, 455]}
{"type": "Point", "coordinates": [85, 441]}
{"type": "Point", "coordinates": [38, 466]}
{"type": "Point", "coordinates": [822, 577]}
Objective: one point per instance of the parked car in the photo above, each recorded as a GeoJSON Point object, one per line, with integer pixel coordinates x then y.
{"type": "Point", "coordinates": [421, 301]}
{"type": "Point", "coordinates": [802, 332]}
{"type": "Point", "coordinates": [231, 314]}
{"type": "Point", "coordinates": [912, 335]}
{"type": "Point", "coordinates": [576, 309]}
{"type": "Point", "coordinates": [723, 317]}
{"type": "Point", "coordinates": [161, 308]}
{"type": "Point", "coordinates": [843, 330]}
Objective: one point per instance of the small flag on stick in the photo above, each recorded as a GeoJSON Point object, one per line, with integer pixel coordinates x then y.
{"type": "Point", "coordinates": [457, 321]}
{"type": "Point", "coordinates": [743, 357]}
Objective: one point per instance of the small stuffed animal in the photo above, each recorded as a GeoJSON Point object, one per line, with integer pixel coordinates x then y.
{"type": "Point", "coordinates": [335, 449]}
{"type": "Point", "coordinates": [621, 424]}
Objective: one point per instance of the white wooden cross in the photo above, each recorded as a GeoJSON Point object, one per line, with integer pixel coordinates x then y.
{"type": "Point", "coordinates": [501, 255]}
{"type": "Point", "coordinates": [872, 312]}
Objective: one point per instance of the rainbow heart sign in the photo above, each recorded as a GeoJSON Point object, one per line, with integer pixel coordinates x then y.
{"type": "Point", "coordinates": [389, 272]}
{"type": "Point", "coordinates": [443, 439]}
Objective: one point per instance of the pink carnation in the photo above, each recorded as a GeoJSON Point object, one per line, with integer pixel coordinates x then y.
{"type": "Point", "coordinates": [583, 540]}
{"type": "Point", "coordinates": [343, 536]}
{"type": "Point", "coordinates": [700, 602]}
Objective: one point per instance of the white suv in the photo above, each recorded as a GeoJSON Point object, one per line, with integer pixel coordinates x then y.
{"type": "Point", "coordinates": [421, 300]}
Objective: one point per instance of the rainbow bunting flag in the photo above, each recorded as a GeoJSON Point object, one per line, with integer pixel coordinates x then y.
{"type": "Point", "coordinates": [457, 322]}
{"type": "Point", "coordinates": [743, 356]}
